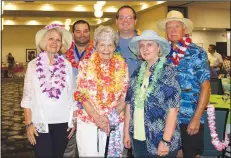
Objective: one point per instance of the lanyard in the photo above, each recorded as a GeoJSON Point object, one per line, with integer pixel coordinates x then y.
{"type": "Point", "coordinates": [78, 55]}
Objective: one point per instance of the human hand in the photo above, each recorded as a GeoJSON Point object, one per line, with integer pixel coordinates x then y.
{"type": "Point", "coordinates": [31, 133]}
{"type": "Point", "coordinates": [162, 149]}
{"type": "Point", "coordinates": [127, 140]}
{"type": "Point", "coordinates": [193, 126]}
{"type": "Point", "coordinates": [103, 123]}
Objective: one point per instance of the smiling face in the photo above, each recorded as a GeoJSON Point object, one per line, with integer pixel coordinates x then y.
{"type": "Point", "coordinates": [149, 50]}
{"type": "Point", "coordinates": [105, 49]}
{"type": "Point", "coordinates": [175, 31]}
{"type": "Point", "coordinates": [54, 41]}
{"type": "Point", "coordinates": [126, 21]}
{"type": "Point", "coordinates": [81, 34]}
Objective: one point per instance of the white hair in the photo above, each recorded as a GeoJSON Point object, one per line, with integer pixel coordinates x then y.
{"type": "Point", "coordinates": [105, 33]}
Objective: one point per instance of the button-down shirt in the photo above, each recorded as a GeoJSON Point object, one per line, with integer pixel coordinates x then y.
{"type": "Point", "coordinates": [165, 95]}
{"type": "Point", "coordinates": [193, 70]}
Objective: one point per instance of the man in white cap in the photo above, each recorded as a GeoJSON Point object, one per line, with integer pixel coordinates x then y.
{"type": "Point", "coordinates": [191, 62]}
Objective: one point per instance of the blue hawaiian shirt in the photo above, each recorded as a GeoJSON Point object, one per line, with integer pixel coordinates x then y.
{"type": "Point", "coordinates": [193, 70]}
{"type": "Point", "coordinates": [165, 95]}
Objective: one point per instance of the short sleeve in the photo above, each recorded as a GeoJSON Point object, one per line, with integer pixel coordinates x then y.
{"type": "Point", "coordinates": [28, 89]}
{"type": "Point", "coordinates": [203, 71]}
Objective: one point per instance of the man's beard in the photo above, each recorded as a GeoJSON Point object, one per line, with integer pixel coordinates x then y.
{"type": "Point", "coordinates": [79, 43]}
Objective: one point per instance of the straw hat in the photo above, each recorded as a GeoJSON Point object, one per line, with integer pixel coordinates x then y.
{"type": "Point", "coordinates": [66, 35]}
{"type": "Point", "coordinates": [149, 35]}
{"type": "Point", "coordinates": [175, 16]}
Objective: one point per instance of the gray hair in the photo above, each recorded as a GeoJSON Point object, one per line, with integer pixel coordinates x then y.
{"type": "Point", "coordinates": [105, 33]}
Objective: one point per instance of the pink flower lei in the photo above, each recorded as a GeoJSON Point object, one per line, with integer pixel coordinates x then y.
{"type": "Point", "coordinates": [51, 86]}
{"type": "Point", "coordinates": [219, 145]}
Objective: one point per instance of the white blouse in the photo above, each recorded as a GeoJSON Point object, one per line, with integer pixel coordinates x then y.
{"type": "Point", "coordinates": [44, 109]}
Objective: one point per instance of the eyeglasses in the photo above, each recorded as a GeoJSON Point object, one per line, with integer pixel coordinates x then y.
{"type": "Point", "coordinates": [128, 18]}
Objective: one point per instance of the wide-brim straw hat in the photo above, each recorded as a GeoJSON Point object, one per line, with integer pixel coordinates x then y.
{"type": "Point", "coordinates": [149, 35]}
{"type": "Point", "coordinates": [175, 16]}
{"type": "Point", "coordinates": [66, 35]}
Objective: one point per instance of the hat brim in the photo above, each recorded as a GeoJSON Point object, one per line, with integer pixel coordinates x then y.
{"type": "Point", "coordinates": [164, 45]}
{"type": "Point", "coordinates": [66, 37]}
{"type": "Point", "coordinates": [161, 24]}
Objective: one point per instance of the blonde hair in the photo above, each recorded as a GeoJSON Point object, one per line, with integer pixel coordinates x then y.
{"type": "Point", "coordinates": [105, 33]}
{"type": "Point", "coordinates": [43, 42]}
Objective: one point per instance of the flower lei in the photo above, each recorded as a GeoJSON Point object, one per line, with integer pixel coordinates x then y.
{"type": "Point", "coordinates": [178, 52]}
{"type": "Point", "coordinates": [114, 147]}
{"type": "Point", "coordinates": [219, 145]}
{"type": "Point", "coordinates": [71, 57]}
{"type": "Point", "coordinates": [49, 86]}
{"type": "Point", "coordinates": [139, 100]}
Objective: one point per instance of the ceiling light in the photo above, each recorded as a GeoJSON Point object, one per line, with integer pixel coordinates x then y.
{"type": "Point", "coordinates": [160, 2]}
{"type": "Point", "coordinates": [204, 28]}
{"type": "Point", "coordinates": [47, 7]}
{"type": "Point", "coordinates": [102, 3]}
{"type": "Point", "coordinates": [98, 6]}
{"type": "Point", "coordinates": [32, 22]}
{"type": "Point", "coordinates": [79, 8]}
{"type": "Point", "coordinates": [67, 27]}
{"type": "Point", "coordinates": [2, 23]}
{"type": "Point", "coordinates": [10, 6]}
{"type": "Point", "coordinates": [9, 22]}
{"type": "Point", "coordinates": [67, 21]}
{"type": "Point", "coordinates": [98, 13]}
{"type": "Point", "coordinates": [144, 6]}
{"type": "Point", "coordinates": [111, 9]}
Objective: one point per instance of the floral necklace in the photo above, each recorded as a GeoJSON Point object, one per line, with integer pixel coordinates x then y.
{"type": "Point", "coordinates": [71, 57]}
{"type": "Point", "coordinates": [52, 87]}
{"type": "Point", "coordinates": [158, 68]}
{"type": "Point", "coordinates": [219, 145]}
{"type": "Point", "coordinates": [177, 53]}
{"type": "Point", "coordinates": [101, 78]}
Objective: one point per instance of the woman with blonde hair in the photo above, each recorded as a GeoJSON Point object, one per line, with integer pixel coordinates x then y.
{"type": "Point", "coordinates": [102, 84]}
{"type": "Point", "coordinates": [48, 94]}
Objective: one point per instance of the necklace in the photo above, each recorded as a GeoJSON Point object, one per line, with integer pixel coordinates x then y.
{"type": "Point", "coordinates": [71, 57]}
{"type": "Point", "coordinates": [178, 52]}
{"type": "Point", "coordinates": [158, 68]}
{"type": "Point", "coordinates": [52, 87]}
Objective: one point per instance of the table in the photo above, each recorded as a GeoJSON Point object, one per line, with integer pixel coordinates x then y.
{"type": "Point", "coordinates": [216, 101]}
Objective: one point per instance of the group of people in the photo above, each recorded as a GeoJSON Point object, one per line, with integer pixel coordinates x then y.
{"type": "Point", "coordinates": [217, 64]}
{"type": "Point", "coordinates": [121, 89]}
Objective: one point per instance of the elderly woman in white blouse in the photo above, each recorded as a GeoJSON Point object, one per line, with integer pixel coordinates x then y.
{"type": "Point", "coordinates": [48, 94]}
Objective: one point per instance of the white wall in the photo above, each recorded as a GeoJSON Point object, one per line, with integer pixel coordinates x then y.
{"type": "Point", "coordinates": [209, 37]}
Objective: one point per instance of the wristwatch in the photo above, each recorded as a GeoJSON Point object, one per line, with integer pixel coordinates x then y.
{"type": "Point", "coordinates": [165, 142]}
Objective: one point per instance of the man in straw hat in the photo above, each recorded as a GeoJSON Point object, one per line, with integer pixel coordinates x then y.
{"type": "Point", "coordinates": [191, 62]}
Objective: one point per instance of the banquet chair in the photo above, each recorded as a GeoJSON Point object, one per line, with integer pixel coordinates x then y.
{"type": "Point", "coordinates": [216, 86]}
{"type": "Point", "coordinates": [221, 120]}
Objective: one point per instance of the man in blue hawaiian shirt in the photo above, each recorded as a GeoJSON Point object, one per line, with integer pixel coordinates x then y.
{"type": "Point", "coordinates": [191, 62]}
{"type": "Point", "coordinates": [125, 22]}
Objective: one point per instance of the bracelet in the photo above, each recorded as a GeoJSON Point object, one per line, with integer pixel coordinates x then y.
{"type": "Point", "coordinates": [165, 142]}
{"type": "Point", "coordinates": [28, 125]}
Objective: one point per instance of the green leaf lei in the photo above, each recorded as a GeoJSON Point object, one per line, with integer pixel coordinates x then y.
{"type": "Point", "coordinates": [158, 68]}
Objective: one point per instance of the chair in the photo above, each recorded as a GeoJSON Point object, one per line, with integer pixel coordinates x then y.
{"type": "Point", "coordinates": [216, 86]}
{"type": "Point", "coordinates": [221, 120]}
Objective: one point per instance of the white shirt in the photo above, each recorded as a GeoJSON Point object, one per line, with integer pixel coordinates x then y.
{"type": "Point", "coordinates": [215, 59]}
{"type": "Point", "coordinates": [44, 109]}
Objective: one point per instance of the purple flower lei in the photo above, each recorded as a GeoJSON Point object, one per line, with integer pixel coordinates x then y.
{"type": "Point", "coordinates": [52, 87]}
